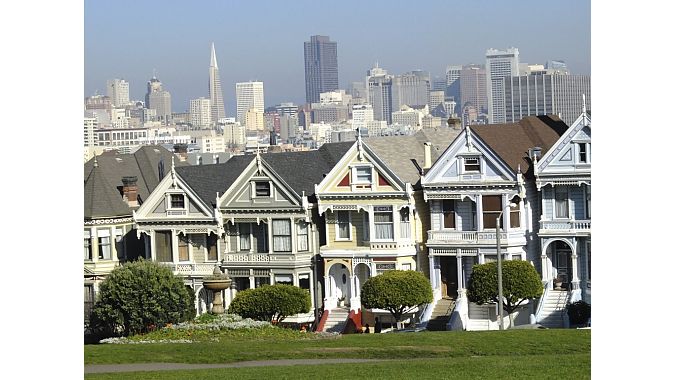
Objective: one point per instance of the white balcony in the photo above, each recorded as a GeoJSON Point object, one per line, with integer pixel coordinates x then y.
{"type": "Point", "coordinates": [247, 258]}
{"type": "Point", "coordinates": [456, 238]}
{"type": "Point", "coordinates": [191, 269]}
{"type": "Point", "coordinates": [565, 227]}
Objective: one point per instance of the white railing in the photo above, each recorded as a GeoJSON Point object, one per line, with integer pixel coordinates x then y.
{"type": "Point", "coordinates": [470, 237]}
{"type": "Point", "coordinates": [583, 225]}
{"type": "Point", "coordinates": [538, 313]}
{"type": "Point", "coordinates": [248, 258]}
{"type": "Point", "coordinates": [191, 268]}
{"type": "Point", "coordinates": [460, 315]}
{"type": "Point", "coordinates": [389, 245]}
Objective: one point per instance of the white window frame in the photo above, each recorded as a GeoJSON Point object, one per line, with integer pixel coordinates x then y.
{"type": "Point", "coordinates": [239, 237]}
{"type": "Point", "coordinates": [464, 165]}
{"type": "Point", "coordinates": [392, 223]}
{"type": "Point", "coordinates": [290, 225]}
{"type": "Point", "coordinates": [88, 240]}
{"type": "Point", "coordinates": [299, 236]}
{"type": "Point", "coordinates": [349, 226]}
{"type": "Point", "coordinates": [356, 184]}
{"type": "Point", "coordinates": [170, 206]}
{"type": "Point", "coordinates": [104, 233]}
{"type": "Point", "coordinates": [254, 193]}
{"type": "Point", "coordinates": [556, 216]}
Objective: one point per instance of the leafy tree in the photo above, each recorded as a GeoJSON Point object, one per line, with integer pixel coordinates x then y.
{"type": "Point", "coordinates": [397, 291]}
{"type": "Point", "coordinates": [520, 282]}
{"type": "Point", "coordinates": [140, 295]}
{"type": "Point", "coordinates": [271, 303]}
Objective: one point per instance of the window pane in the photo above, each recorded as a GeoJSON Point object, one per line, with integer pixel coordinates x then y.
{"type": "Point", "coordinates": [163, 246]}
{"type": "Point", "coordinates": [177, 201]}
{"type": "Point", "coordinates": [343, 218]}
{"type": "Point", "coordinates": [491, 202]}
{"type": "Point", "coordinates": [281, 235]}
{"type": "Point", "coordinates": [104, 248]}
{"type": "Point", "coordinates": [212, 253]}
{"type": "Point", "coordinates": [561, 196]}
{"type": "Point", "coordinates": [363, 174]}
{"type": "Point", "coordinates": [183, 248]}
{"type": "Point", "coordinates": [262, 238]}
{"type": "Point", "coordinates": [244, 236]}
{"type": "Point", "coordinates": [302, 236]}
{"type": "Point", "coordinates": [262, 189]}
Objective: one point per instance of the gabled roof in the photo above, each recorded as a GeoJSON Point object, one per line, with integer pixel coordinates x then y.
{"type": "Point", "coordinates": [103, 186]}
{"type": "Point", "coordinates": [512, 141]}
{"type": "Point", "coordinates": [207, 180]}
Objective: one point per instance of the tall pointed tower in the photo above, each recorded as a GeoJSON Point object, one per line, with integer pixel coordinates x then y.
{"type": "Point", "coordinates": [215, 93]}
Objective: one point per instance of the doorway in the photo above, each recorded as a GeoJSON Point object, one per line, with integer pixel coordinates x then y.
{"type": "Point", "coordinates": [562, 262]}
{"type": "Point", "coordinates": [449, 277]}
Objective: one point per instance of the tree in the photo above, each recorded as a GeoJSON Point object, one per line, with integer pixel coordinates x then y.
{"type": "Point", "coordinates": [520, 282]}
{"type": "Point", "coordinates": [140, 295]}
{"type": "Point", "coordinates": [397, 291]}
{"type": "Point", "coordinates": [271, 303]}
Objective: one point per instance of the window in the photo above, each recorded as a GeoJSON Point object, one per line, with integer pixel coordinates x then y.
{"type": "Point", "coordinates": [363, 174]}
{"type": "Point", "coordinates": [367, 227]}
{"type": "Point", "coordinates": [304, 281]}
{"type": "Point", "coordinates": [561, 202]}
{"type": "Point", "coordinates": [343, 221]}
{"type": "Point", "coordinates": [302, 233]}
{"type": "Point", "coordinates": [448, 211]}
{"type": "Point", "coordinates": [104, 244]}
{"type": "Point", "coordinates": [515, 213]}
{"type": "Point", "coordinates": [587, 189]}
{"type": "Point", "coordinates": [285, 279]}
{"type": "Point", "coordinates": [87, 245]}
{"type": "Point", "coordinates": [472, 164]}
{"type": "Point", "coordinates": [492, 205]}
{"type": "Point", "coordinates": [384, 222]}
{"type": "Point", "coordinates": [406, 266]}
{"type": "Point", "coordinates": [177, 201]}
{"type": "Point", "coordinates": [260, 281]}
{"type": "Point", "coordinates": [588, 261]}
{"type": "Point", "coordinates": [183, 248]}
{"type": "Point", "coordinates": [262, 189]}
{"type": "Point", "coordinates": [242, 283]}
{"type": "Point", "coordinates": [281, 235]}
{"type": "Point", "coordinates": [582, 152]}
{"type": "Point", "coordinates": [244, 236]}
{"type": "Point", "coordinates": [212, 247]}
{"type": "Point", "coordinates": [163, 246]}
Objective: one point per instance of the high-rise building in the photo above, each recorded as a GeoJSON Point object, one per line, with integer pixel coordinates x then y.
{"type": "Point", "coordinates": [437, 103]}
{"type": "Point", "coordinates": [411, 89]}
{"type": "Point", "coordinates": [90, 137]}
{"type": "Point", "coordinates": [254, 120]}
{"type": "Point", "coordinates": [453, 83]}
{"type": "Point", "coordinates": [321, 67]}
{"type": "Point", "coordinates": [118, 92]}
{"type": "Point", "coordinates": [249, 95]}
{"type": "Point", "coordinates": [159, 100]}
{"type": "Point", "coordinates": [543, 94]}
{"type": "Point", "coordinates": [200, 112]}
{"type": "Point", "coordinates": [215, 93]}
{"type": "Point", "coordinates": [473, 88]}
{"type": "Point", "coordinates": [500, 64]}
{"type": "Point", "coordinates": [380, 93]}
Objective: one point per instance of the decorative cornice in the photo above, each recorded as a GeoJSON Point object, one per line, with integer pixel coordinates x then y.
{"type": "Point", "coordinates": [108, 221]}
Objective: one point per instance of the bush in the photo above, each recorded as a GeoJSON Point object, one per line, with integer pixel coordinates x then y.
{"type": "Point", "coordinates": [578, 312]}
{"type": "Point", "coordinates": [397, 291]}
{"type": "Point", "coordinates": [520, 282]}
{"type": "Point", "coordinates": [140, 296]}
{"type": "Point", "coordinates": [271, 303]}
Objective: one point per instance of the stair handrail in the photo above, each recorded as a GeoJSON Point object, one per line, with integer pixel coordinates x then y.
{"type": "Point", "coordinates": [460, 315]}
{"type": "Point", "coordinates": [541, 303]}
{"type": "Point", "coordinates": [426, 314]}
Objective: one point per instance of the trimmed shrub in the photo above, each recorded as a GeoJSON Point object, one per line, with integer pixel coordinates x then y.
{"type": "Point", "coordinates": [397, 291]}
{"type": "Point", "coordinates": [140, 296]}
{"type": "Point", "coordinates": [520, 282]}
{"type": "Point", "coordinates": [272, 303]}
{"type": "Point", "coordinates": [579, 312]}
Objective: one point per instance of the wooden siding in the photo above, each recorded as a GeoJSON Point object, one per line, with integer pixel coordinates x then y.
{"type": "Point", "coordinates": [198, 243]}
{"type": "Point", "coordinates": [464, 211]}
{"type": "Point", "coordinates": [548, 202]}
{"type": "Point", "coordinates": [576, 195]}
{"type": "Point", "coordinates": [435, 214]}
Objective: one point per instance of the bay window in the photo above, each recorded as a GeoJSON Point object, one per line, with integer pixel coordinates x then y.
{"type": "Point", "coordinates": [302, 234]}
{"type": "Point", "coordinates": [343, 223]}
{"type": "Point", "coordinates": [244, 236]}
{"type": "Point", "coordinates": [281, 235]}
{"type": "Point", "coordinates": [492, 205]}
{"type": "Point", "coordinates": [104, 244]}
{"type": "Point", "coordinates": [183, 248]}
{"type": "Point", "coordinates": [384, 222]}
{"type": "Point", "coordinates": [561, 202]}
{"type": "Point", "coordinates": [448, 211]}
{"type": "Point", "coordinates": [212, 247]}
{"type": "Point", "coordinates": [163, 246]}
{"type": "Point", "coordinates": [87, 245]}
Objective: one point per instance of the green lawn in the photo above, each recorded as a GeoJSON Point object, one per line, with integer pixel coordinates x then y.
{"type": "Point", "coordinates": [487, 347]}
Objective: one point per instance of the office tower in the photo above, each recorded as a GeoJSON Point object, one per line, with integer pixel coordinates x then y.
{"type": "Point", "coordinates": [358, 92]}
{"type": "Point", "coordinates": [321, 67]}
{"type": "Point", "coordinates": [437, 103]}
{"type": "Point", "coordinates": [558, 66]}
{"type": "Point", "coordinates": [361, 115]}
{"type": "Point", "coordinates": [98, 102]}
{"type": "Point", "coordinates": [438, 84]}
{"type": "Point", "coordinates": [118, 92]}
{"type": "Point", "coordinates": [453, 83]}
{"type": "Point", "coordinates": [215, 93]}
{"type": "Point", "coordinates": [254, 120]}
{"type": "Point", "coordinates": [159, 100]}
{"type": "Point", "coordinates": [411, 89]}
{"type": "Point", "coordinates": [380, 93]}
{"type": "Point", "coordinates": [249, 95]}
{"type": "Point", "coordinates": [90, 135]}
{"type": "Point", "coordinates": [287, 109]}
{"type": "Point", "coordinates": [200, 112]}
{"type": "Point", "coordinates": [542, 94]}
{"type": "Point", "coordinates": [473, 88]}
{"type": "Point", "coordinates": [500, 64]}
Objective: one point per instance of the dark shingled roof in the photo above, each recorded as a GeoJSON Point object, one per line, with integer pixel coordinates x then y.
{"type": "Point", "coordinates": [300, 170]}
{"type": "Point", "coordinates": [512, 141]}
{"type": "Point", "coordinates": [103, 186]}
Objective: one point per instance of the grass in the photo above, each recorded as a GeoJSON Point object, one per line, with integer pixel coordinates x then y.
{"type": "Point", "coordinates": [561, 366]}
{"type": "Point", "coordinates": [515, 344]}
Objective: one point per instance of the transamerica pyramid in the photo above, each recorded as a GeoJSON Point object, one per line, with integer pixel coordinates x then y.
{"type": "Point", "coordinates": [215, 93]}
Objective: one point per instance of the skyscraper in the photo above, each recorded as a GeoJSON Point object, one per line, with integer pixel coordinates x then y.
{"type": "Point", "coordinates": [249, 95]}
{"type": "Point", "coordinates": [215, 93]}
{"type": "Point", "coordinates": [200, 112]}
{"type": "Point", "coordinates": [159, 100]}
{"type": "Point", "coordinates": [118, 92]}
{"type": "Point", "coordinates": [321, 67]}
{"type": "Point", "coordinates": [500, 64]}
{"type": "Point", "coordinates": [380, 93]}
{"type": "Point", "coordinates": [411, 89]}
{"type": "Point", "coordinates": [473, 88]}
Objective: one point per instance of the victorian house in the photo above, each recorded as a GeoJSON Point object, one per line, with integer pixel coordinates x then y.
{"type": "Point", "coordinates": [252, 217]}
{"type": "Point", "coordinates": [483, 186]}
{"type": "Point", "coordinates": [114, 186]}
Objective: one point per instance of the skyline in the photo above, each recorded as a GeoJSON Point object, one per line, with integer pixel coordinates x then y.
{"type": "Point", "coordinates": [123, 44]}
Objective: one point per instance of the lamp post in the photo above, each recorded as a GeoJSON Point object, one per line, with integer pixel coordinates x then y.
{"type": "Point", "coordinates": [497, 240]}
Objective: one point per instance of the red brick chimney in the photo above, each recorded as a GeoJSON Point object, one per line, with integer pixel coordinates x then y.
{"type": "Point", "coordinates": [130, 190]}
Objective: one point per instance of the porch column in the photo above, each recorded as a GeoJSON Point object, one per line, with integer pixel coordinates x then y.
{"type": "Point", "coordinates": [174, 246]}
{"type": "Point", "coordinates": [269, 237]}
{"type": "Point", "coordinates": [153, 248]}
{"type": "Point", "coordinates": [459, 269]}
{"type": "Point", "coordinates": [294, 231]}
{"type": "Point", "coordinates": [479, 214]}
{"type": "Point", "coordinates": [575, 283]}
{"type": "Point", "coordinates": [371, 226]}
{"type": "Point", "coordinates": [433, 276]}
{"type": "Point", "coordinates": [505, 214]}
{"type": "Point", "coordinates": [544, 267]}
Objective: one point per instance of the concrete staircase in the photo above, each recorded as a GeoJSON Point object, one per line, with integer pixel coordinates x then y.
{"type": "Point", "coordinates": [440, 315]}
{"type": "Point", "coordinates": [554, 309]}
{"type": "Point", "coordinates": [336, 320]}
{"type": "Point", "coordinates": [479, 318]}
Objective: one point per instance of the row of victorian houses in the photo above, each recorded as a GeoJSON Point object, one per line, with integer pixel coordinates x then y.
{"type": "Point", "coordinates": [329, 219]}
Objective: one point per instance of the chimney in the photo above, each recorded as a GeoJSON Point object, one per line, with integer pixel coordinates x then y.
{"type": "Point", "coordinates": [130, 190]}
{"type": "Point", "coordinates": [454, 122]}
{"type": "Point", "coordinates": [535, 153]}
{"type": "Point", "coordinates": [428, 155]}
{"type": "Point", "coordinates": [181, 150]}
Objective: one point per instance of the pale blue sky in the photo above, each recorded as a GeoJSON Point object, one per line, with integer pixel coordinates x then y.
{"type": "Point", "coordinates": [263, 40]}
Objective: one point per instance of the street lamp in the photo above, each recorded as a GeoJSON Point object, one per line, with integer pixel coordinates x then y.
{"type": "Point", "coordinates": [497, 239]}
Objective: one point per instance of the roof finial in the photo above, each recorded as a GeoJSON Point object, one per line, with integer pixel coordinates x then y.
{"type": "Point", "coordinates": [96, 162]}
{"type": "Point", "coordinates": [468, 137]}
{"type": "Point", "coordinates": [173, 172]}
{"type": "Point", "coordinates": [360, 148]}
{"type": "Point", "coordinates": [584, 104]}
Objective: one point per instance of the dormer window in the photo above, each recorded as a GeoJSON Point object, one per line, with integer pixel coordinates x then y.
{"type": "Point", "coordinates": [262, 189]}
{"type": "Point", "coordinates": [364, 174]}
{"type": "Point", "coordinates": [177, 201]}
{"type": "Point", "coordinates": [472, 165]}
{"type": "Point", "coordinates": [583, 153]}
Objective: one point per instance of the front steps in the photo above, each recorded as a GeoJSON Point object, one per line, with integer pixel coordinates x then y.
{"type": "Point", "coordinates": [554, 309]}
{"type": "Point", "coordinates": [336, 320]}
{"type": "Point", "coordinates": [479, 318]}
{"type": "Point", "coordinates": [441, 314]}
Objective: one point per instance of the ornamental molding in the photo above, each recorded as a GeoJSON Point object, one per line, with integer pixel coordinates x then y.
{"type": "Point", "coordinates": [540, 183]}
{"type": "Point", "coordinates": [108, 221]}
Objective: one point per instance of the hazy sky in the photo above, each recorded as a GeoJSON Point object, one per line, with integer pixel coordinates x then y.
{"type": "Point", "coordinates": [263, 40]}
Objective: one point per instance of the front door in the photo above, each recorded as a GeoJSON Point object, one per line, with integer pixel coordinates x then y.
{"type": "Point", "coordinates": [449, 277]}
{"type": "Point", "coordinates": [562, 263]}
